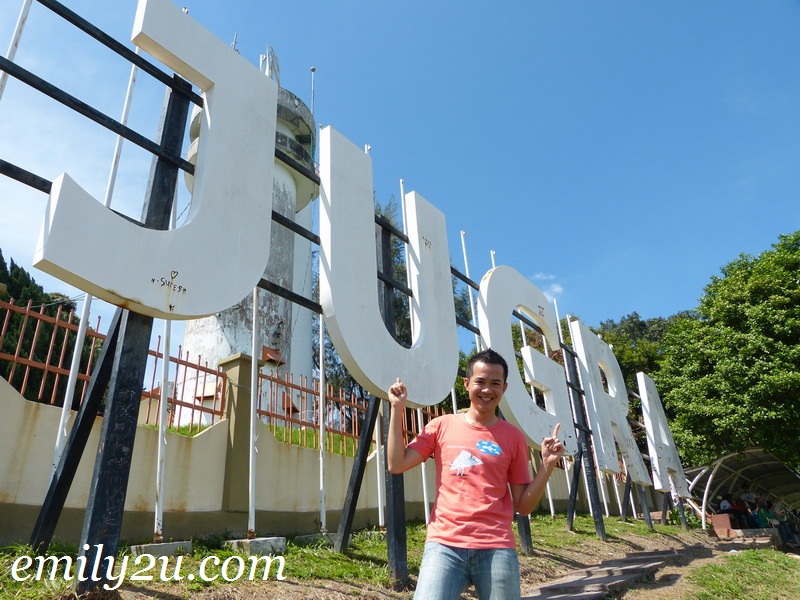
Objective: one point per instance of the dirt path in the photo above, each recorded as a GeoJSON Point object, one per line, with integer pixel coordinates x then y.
{"type": "Point", "coordinates": [695, 548]}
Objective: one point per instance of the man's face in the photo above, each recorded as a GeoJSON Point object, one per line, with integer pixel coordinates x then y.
{"type": "Point", "coordinates": [485, 387]}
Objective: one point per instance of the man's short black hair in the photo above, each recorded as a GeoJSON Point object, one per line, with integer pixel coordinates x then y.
{"type": "Point", "coordinates": [488, 357]}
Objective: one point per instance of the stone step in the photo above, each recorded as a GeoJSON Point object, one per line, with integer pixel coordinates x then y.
{"type": "Point", "coordinates": [609, 577]}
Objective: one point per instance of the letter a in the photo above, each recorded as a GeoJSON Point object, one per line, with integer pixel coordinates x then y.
{"type": "Point", "coordinates": [348, 288]}
{"type": "Point", "coordinates": [664, 459]}
{"type": "Point", "coordinates": [219, 254]}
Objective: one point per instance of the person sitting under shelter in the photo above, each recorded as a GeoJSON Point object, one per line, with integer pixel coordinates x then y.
{"type": "Point", "coordinates": [742, 513]}
{"type": "Point", "coordinates": [747, 495]}
{"type": "Point", "coordinates": [727, 507]}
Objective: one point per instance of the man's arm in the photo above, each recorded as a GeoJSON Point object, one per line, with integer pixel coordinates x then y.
{"type": "Point", "coordinates": [526, 497]}
{"type": "Point", "coordinates": [400, 458]}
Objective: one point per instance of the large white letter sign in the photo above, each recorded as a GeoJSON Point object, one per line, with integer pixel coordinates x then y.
{"type": "Point", "coordinates": [664, 459]}
{"type": "Point", "coordinates": [607, 411]}
{"type": "Point", "coordinates": [502, 290]}
{"type": "Point", "coordinates": [348, 289]}
{"type": "Point", "coordinates": [180, 274]}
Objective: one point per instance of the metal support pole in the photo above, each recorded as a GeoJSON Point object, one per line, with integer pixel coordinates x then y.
{"type": "Point", "coordinates": [678, 502]}
{"type": "Point", "coordinates": [576, 398]}
{"type": "Point", "coordinates": [473, 311]}
{"type": "Point", "coordinates": [253, 435]}
{"type": "Point", "coordinates": [573, 489]}
{"type": "Point", "coordinates": [604, 493]}
{"type": "Point", "coordinates": [645, 506]}
{"type": "Point", "coordinates": [161, 456]}
{"type": "Point", "coordinates": [72, 379]}
{"type": "Point", "coordinates": [524, 530]}
{"type": "Point", "coordinates": [323, 388]}
{"type": "Point", "coordinates": [379, 467]}
{"type": "Point", "coordinates": [626, 499]}
{"type": "Point", "coordinates": [395, 491]}
{"type": "Point", "coordinates": [12, 47]}
{"type": "Point", "coordinates": [106, 506]}
{"type": "Point", "coordinates": [62, 479]}
{"type": "Point", "coordinates": [616, 494]}
{"type": "Point", "coordinates": [395, 518]}
{"type": "Point", "coordinates": [161, 475]}
{"type": "Point", "coordinates": [667, 504]}
{"type": "Point", "coordinates": [682, 513]}
{"type": "Point", "coordinates": [357, 475]}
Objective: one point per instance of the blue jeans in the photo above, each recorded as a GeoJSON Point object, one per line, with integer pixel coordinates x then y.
{"type": "Point", "coordinates": [447, 571]}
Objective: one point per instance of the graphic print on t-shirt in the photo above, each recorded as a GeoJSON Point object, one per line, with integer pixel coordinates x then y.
{"type": "Point", "coordinates": [463, 461]}
{"type": "Point", "coordinates": [489, 447]}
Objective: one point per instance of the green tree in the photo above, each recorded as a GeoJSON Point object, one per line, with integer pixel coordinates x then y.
{"type": "Point", "coordinates": [730, 377]}
{"type": "Point", "coordinates": [637, 343]}
{"type": "Point", "coordinates": [22, 288]}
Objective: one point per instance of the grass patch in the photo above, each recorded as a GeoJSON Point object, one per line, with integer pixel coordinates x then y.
{"type": "Point", "coordinates": [750, 575]}
{"type": "Point", "coordinates": [550, 532]}
{"type": "Point", "coordinates": [308, 437]}
{"type": "Point", "coordinates": [184, 430]}
{"type": "Point", "coordinates": [363, 563]}
{"type": "Point", "coordinates": [25, 590]}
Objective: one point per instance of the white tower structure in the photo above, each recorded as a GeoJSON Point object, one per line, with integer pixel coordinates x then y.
{"type": "Point", "coordinates": [281, 326]}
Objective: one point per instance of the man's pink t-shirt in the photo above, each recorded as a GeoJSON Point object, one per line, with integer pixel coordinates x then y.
{"type": "Point", "coordinates": [474, 466]}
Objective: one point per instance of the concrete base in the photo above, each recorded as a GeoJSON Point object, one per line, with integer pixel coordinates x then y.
{"type": "Point", "coordinates": [258, 546]}
{"type": "Point", "coordinates": [17, 522]}
{"type": "Point", "coordinates": [164, 549]}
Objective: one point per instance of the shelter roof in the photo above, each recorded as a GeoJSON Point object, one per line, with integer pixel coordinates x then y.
{"type": "Point", "coordinates": [766, 475]}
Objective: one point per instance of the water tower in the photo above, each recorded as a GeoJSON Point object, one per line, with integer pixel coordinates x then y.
{"type": "Point", "coordinates": [283, 328]}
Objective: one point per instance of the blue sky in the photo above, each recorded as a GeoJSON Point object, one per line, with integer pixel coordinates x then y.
{"type": "Point", "coordinates": [617, 153]}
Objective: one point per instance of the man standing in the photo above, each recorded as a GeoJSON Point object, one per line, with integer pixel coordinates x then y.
{"type": "Point", "coordinates": [482, 477]}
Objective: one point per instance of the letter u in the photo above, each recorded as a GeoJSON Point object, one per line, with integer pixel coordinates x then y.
{"type": "Point", "coordinates": [348, 290]}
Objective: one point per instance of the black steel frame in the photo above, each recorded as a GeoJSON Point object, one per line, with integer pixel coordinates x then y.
{"type": "Point", "coordinates": [129, 336]}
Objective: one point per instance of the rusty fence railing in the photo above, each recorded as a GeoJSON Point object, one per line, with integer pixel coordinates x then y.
{"type": "Point", "coordinates": [196, 394]}
{"type": "Point", "coordinates": [36, 350]}
{"type": "Point", "coordinates": [290, 409]}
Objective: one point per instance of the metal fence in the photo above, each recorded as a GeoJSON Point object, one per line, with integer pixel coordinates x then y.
{"type": "Point", "coordinates": [196, 395]}
{"type": "Point", "coordinates": [38, 367]}
{"type": "Point", "coordinates": [290, 410]}
{"type": "Point", "coordinates": [43, 345]}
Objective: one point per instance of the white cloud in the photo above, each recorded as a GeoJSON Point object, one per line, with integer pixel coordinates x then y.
{"type": "Point", "coordinates": [542, 277]}
{"type": "Point", "coordinates": [553, 291]}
